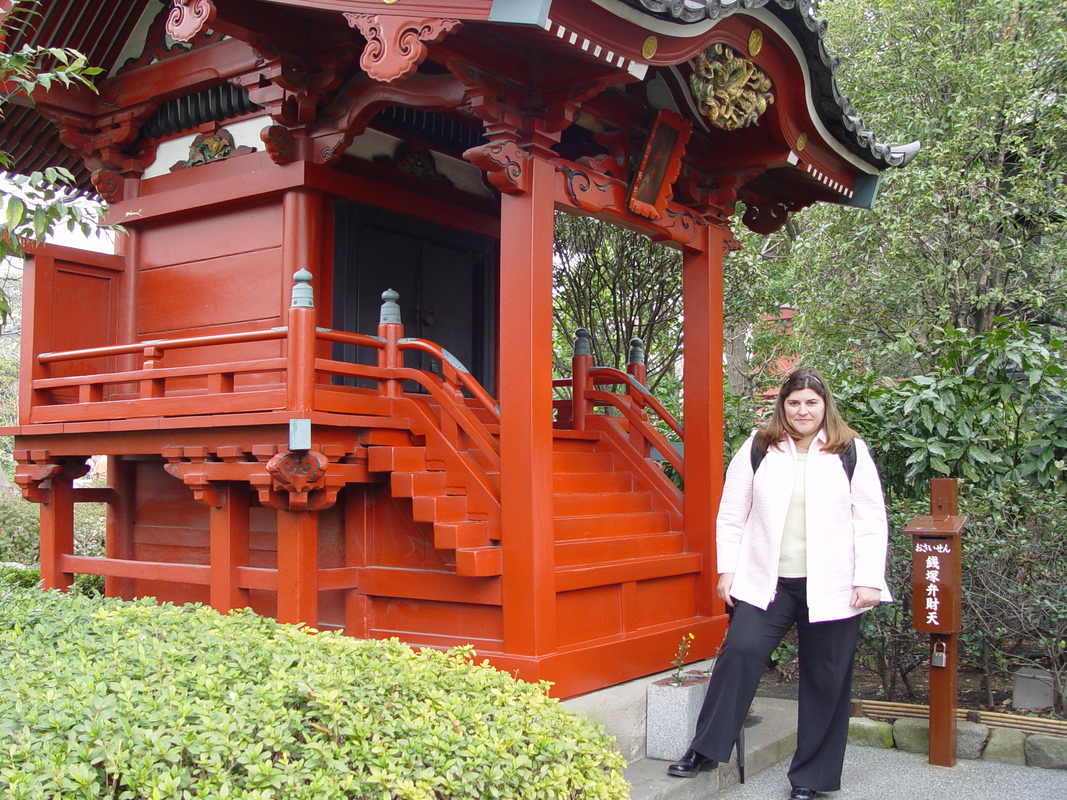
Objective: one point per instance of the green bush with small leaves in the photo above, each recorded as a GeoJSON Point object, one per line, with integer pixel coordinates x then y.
{"type": "Point", "coordinates": [20, 529]}
{"type": "Point", "coordinates": [101, 698]}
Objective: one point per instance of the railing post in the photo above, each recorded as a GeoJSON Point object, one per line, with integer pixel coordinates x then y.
{"type": "Point", "coordinates": [152, 387]}
{"type": "Point", "coordinates": [391, 329]}
{"type": "Point", "coordinates": [635, 362]}
{"type": "Point", "coordinates": [581, 363]}
{"type": "Point", "coordinates": [301, 345]}
{"type": "Point", "coordinates": [635, 368]}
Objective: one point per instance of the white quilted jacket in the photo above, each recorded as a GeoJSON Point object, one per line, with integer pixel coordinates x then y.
{"type": "Point", "coordinates": [847, 530]}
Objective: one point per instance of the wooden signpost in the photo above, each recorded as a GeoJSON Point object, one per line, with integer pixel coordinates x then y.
{"type": "Point", "coordinates": [936, 608]}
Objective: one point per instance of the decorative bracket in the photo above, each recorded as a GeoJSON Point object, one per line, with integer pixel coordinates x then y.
{"type": "Point", "coordinates": [505, 165]}
{"type": "Point", "coordinates": [717, 194]}
{"type": "Point", "coordinates": [298, 481]}
{"type": "Point", "coordinates": [396, 45]}
{"type": "Point", "coordinates": [37, 468]}
{"type": "Point", "coordinates": [766, 218]}
{"type": "Point", "coordinates": [300, 474]}
{"type": "Point", "coordinates": [101, 143]}
{"type": "Point", "coordinates": [188, 18]}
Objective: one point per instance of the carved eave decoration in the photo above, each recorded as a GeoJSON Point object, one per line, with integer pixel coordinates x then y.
{"type": "Point", "coordinates": [395, 45]}
{"type": "Point", "coordinates": [730, 91]}
{"type": "Point", "coordinates": [799, 16]}
{"type": "Point", "coordinates": [307, 480]}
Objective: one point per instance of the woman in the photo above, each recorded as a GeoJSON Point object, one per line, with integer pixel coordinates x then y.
{"type": "Point", "coordinates": [800, 541]}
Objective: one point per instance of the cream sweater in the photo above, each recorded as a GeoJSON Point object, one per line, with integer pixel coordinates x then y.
{"type": "Point", "coordinates": [847, 530]}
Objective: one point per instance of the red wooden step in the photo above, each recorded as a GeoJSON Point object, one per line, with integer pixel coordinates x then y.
{"type": "Point", "coordinates": [439, 508]}
{"type": "Point", "coordinates": [410, 484]}
{"type": "Point", "coordinates": [618, 548]}
{"type": "Point", "coordinates": [457, 535]}
{"type": "Point", "coordinates": [584, 527]}
{"type": "Point", "coordinates": [575, 482]}
{"type": "Point", "coordinates": [583, 462]}
{"type": "Point", "coordinates": [609, 573]}
{"type": "Point", "coordinates": [396, 459]}
{"type": "Point", "coordinates": [575, 441]}
{"type": "Point", "coordinates": [479, 562]}
{"type": "Point", "coordinates": [597, 503]}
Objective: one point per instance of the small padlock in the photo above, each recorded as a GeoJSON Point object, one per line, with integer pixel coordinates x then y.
{"type": "Point", "coordinates": [939, 658]}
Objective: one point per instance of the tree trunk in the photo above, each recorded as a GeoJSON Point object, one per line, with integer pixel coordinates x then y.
{"type": "Point", "coordinates": [735, 346]}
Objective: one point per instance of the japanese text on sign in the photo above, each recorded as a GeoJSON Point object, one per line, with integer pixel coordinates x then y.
{"type": "Point", "coordinates": [933, 576]}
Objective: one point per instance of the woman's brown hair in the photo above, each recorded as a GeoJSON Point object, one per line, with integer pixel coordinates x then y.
{"type": "Point", "coordinates": [839, 435]}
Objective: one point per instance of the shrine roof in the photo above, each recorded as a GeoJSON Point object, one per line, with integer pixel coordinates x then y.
{"type": "Point", "coordinates": [604, 35]}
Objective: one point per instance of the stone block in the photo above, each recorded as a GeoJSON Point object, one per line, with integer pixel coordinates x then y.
{"type": "Point", "coordinates": [912, 735]}
{"type": "Point", "coordinates": [621, 710]}
{"type": "Point", "coordinates": [672, 711]}
{"type": "Point", "coordinates": [971, 738]}
{"type": "Point", "coordinates": [867, 732]}
{"type": "Point", "coordinates": [1006, 746]}
{"type": "Point", "coordinates": [1031, 688]}
{"type": "Point", "coordinates": [1049, 752]}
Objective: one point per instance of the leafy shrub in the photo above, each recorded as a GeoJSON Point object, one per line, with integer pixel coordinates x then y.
{"type": "Point", "coordinates": [991, 411]}
{"type": "Point", "coordinates": [20, 529]}
{"type": "Point", "coordinates": [105, 698]}
{"type": "Point", "coordinates": [27, 577]}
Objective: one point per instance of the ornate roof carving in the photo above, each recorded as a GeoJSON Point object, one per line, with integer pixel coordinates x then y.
{"type": "Point", "coordinates": [799, 16]}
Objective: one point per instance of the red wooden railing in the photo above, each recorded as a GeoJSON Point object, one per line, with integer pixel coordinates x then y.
{"type": "Point", "coordinates": [463, 410]}
{"type": "Point", "coordinates": [588, 395]}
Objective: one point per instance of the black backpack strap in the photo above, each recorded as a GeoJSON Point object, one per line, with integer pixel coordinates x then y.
{"type": "Point", "coordinates": [755, 456]}
{"type": "Point", "coordinates": [848, 460]}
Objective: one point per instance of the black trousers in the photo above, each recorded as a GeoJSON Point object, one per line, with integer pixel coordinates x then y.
{"type": "Point", "coordinates": [826, 653]}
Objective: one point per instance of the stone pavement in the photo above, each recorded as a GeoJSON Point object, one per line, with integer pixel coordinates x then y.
{"type": "Point", "coordinates": [875, 774]}
{"type": "Point", "coordinates": [871, 773]}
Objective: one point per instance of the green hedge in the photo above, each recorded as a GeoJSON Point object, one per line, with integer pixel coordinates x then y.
{"type": "Point", "coordinates": [108, 699]}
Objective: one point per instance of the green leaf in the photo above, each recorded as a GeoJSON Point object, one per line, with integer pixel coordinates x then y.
{"type": "Point", "coordinates": [16, 211]}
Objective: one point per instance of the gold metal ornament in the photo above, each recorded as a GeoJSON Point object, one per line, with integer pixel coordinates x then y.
{"type": "Point", "coordinates": [731, 92]}
{"type": "Point", "coordinates": [802, 141]}
{"type": "Point", "coordinates": [755, 42]}
{"type": "Point", "coordinates": [649, 47]}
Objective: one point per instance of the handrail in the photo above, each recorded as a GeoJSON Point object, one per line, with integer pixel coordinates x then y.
{"type": "Point", "coordinates": [649, 432]}
{"type": "Point", "coordinates": [164, 344]}
{"type": "Point", "coordinates": [344, 337]}
{"type": "Point", "coordinates": [617, 376]}
{"type": "Point", "coordinates": [451, 363]}
{"type": "Point", "coordinates": [634, 404]}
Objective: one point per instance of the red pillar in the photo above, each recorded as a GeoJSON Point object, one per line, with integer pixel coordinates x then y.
{"type": "Point", "coordinates": [118, 542]}
{"type": "Point", "coordinates": [298, 567]}
{"type": "Point", "coordinates": [702, 334]}
{"type": "Point", "coordinates": [301, 250]}
{"type": "Point", "coordinates": [527, 537]}
{"type": "Point", "coordinates": [229, 547]}
{"type": "Point", "coordinates": [57, 531]}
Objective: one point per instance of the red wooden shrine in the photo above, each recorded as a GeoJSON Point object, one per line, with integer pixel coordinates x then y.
{"type": "Point", "coordinates": [320, 364]}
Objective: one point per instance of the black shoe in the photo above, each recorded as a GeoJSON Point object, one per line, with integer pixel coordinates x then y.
{"type": "Point", "coordinates": [800, 793]}
{"type": "Point", "coordinates": [690, 764]}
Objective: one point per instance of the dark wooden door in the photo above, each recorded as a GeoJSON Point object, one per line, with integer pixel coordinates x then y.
{"type": "Point", "coordinates": [446, 279]}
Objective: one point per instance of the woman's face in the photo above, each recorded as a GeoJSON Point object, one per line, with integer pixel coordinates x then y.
{"type": "Point", "coordinates": [804, 411]}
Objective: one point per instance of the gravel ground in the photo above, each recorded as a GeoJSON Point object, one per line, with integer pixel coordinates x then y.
{"type": "Point", "coordinates": [874, 774]}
